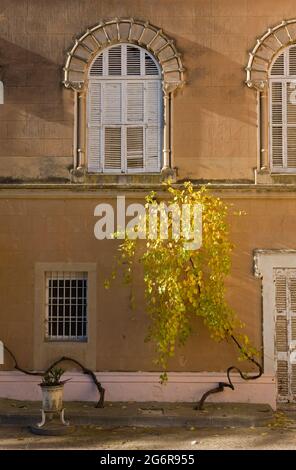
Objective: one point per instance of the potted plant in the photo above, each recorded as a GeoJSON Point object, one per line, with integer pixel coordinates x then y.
{"type": "Point", "coordinates": [52, 390]}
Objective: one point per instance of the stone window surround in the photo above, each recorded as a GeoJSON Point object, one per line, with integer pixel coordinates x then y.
{"type": "Point", "coordinates": [263, 54]}
{"type": "Point", "coordinates": [45, 352]}
{"type": "Point", "coordinates": [81, 55]}
{"type": "Point", "coordinates": [264, 263]}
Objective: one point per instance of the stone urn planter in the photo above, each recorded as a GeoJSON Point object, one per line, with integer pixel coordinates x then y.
{"type": "Point", "coordinates": [52, 388]}
{"type": "Point", "coordinates": [52, 398]}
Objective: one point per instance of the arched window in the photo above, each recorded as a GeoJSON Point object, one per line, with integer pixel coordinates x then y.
{"type": "Point", "coordinates": [124, 73]}
{"type": "Point", "coordinates": [124, 111]}
{"type": "Point", "coordinates": [282, 79]}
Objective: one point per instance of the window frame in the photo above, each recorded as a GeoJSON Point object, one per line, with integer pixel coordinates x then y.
{"type": "Point", "coordinates": [284, 80]}
{"type": "Point", "coordinates": [64, 275]}
{"type": "Point", "coordinates": [124, 80]}
{"type": "Point", "coordinates": [46, 352]}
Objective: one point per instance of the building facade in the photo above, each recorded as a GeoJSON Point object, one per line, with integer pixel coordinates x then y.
{"type": "Point", "coordinates": [105, 99]}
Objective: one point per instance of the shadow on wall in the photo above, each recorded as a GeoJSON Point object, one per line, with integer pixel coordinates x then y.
{"type": "Point", "coordinates": [36, 118]}
{"type": "Point", "coordinates": [204, 67]}
{"type": "Point", "coordinates": [220, 110]}
{"type": "Point", "coordinates": [31, 79]}
{"type": "Point", "coordinates": [33, 88]}
{"type": "Point", "coordinates": [221, 77]}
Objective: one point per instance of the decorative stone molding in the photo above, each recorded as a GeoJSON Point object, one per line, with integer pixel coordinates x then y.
{"type": "Point", "coordinates": [92, 43]}
{"type": "Point", "coordinates": [258, 253]}
{"type": "Point", "coordinates": [267, 47]}
{"type": "Point", "coordinates": [123, 30]}
{"type": "Point", "coordinates": [257, 271]}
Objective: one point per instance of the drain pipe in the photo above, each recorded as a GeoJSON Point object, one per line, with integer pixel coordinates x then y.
{"type": "Point", "coordinates": [1, 93]}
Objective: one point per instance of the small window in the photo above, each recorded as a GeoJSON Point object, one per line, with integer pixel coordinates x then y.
{"type": "Point", "coordinates": [283, 112]}
{"type": "Point", "coordinates": [66, 306]}
{"type": "Point", "coordinates": [124, 111]}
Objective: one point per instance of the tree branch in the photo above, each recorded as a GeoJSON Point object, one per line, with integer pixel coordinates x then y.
{"type": "Point", "coordinates": [85, 370]}
{"type": "Point", "coordinates": [222, 385]}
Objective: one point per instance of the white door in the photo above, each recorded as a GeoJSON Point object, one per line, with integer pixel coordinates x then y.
{"type": "Point", "coordinates": [285, 333]}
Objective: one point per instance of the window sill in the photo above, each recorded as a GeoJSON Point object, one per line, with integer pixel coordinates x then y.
{"type": "Point", "coordinates": [65, 340]}
{"type": "Point", "coordinates": [269, 177]}
{"type": "Point", "coordinates": [82, 177]}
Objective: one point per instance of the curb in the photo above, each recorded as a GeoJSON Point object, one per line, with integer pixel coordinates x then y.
{"type": "Point", "coordinates": [147, 421]}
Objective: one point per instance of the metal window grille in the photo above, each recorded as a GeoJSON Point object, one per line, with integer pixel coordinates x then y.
{"type": "Point", "coordinates": [66, 306]}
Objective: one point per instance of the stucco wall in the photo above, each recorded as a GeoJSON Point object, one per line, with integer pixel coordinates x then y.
{"type": "Point", "coordinates": [52, 228]}
{"type": "Point", "coordinates": [214, 137]}
{"type": "Point", "coordinates": [214, 115]}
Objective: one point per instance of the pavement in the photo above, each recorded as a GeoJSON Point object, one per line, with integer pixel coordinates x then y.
{"type": "Point", "coordinates": [153, 415]}
{"type": "Point", "coordinates": [152, 426]}
{"type": "Point", "coordinates": [279, 435]}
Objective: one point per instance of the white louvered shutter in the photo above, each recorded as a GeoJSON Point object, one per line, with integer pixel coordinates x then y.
{"type": "Point", "coordinates": [292, 60]}
{"type": "Point", "coordinates": [114, 58]}
{"type": "Point", "coordinates": [135, 131]}
{"type": "Point", "coordinates": [112, 119]}
{"type": "Point", "coordinates": [281, 336]}
{"type": "Point", "coordinates": [278, 68]}
{"type": "Point", "coordinates": [285, 335]}
{"type": "Point", "coordinates": [135, 147]}
{"type": "Point", "coordinates": [94, 127]}
{"type": "Point", "coordinates": [150, 66]}
{"type": "Point", "coordinates": [135, 101]}
{"type": "Point", "coordinates": [292, 335]}
{"type": "Point", "coordinates": [291, 124]}
{"type": "Point", "coordinates": [112, 103]}
{"type": "Point", "coordinates": [97, 67]}
{"type": "Point", "coordinates": [112, 145]}
{"type": "Point", "coordinates": [277, 124]}
{"type": "Point", "coordinates": [133, 60]}
{"type": "Point", "coordinates": [153, 125]}
{"type": "Point", "coordinates": [130, 102]}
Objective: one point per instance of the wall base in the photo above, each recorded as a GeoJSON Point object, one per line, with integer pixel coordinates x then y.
{"type": "Point", "coordinates": [144, 386]}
